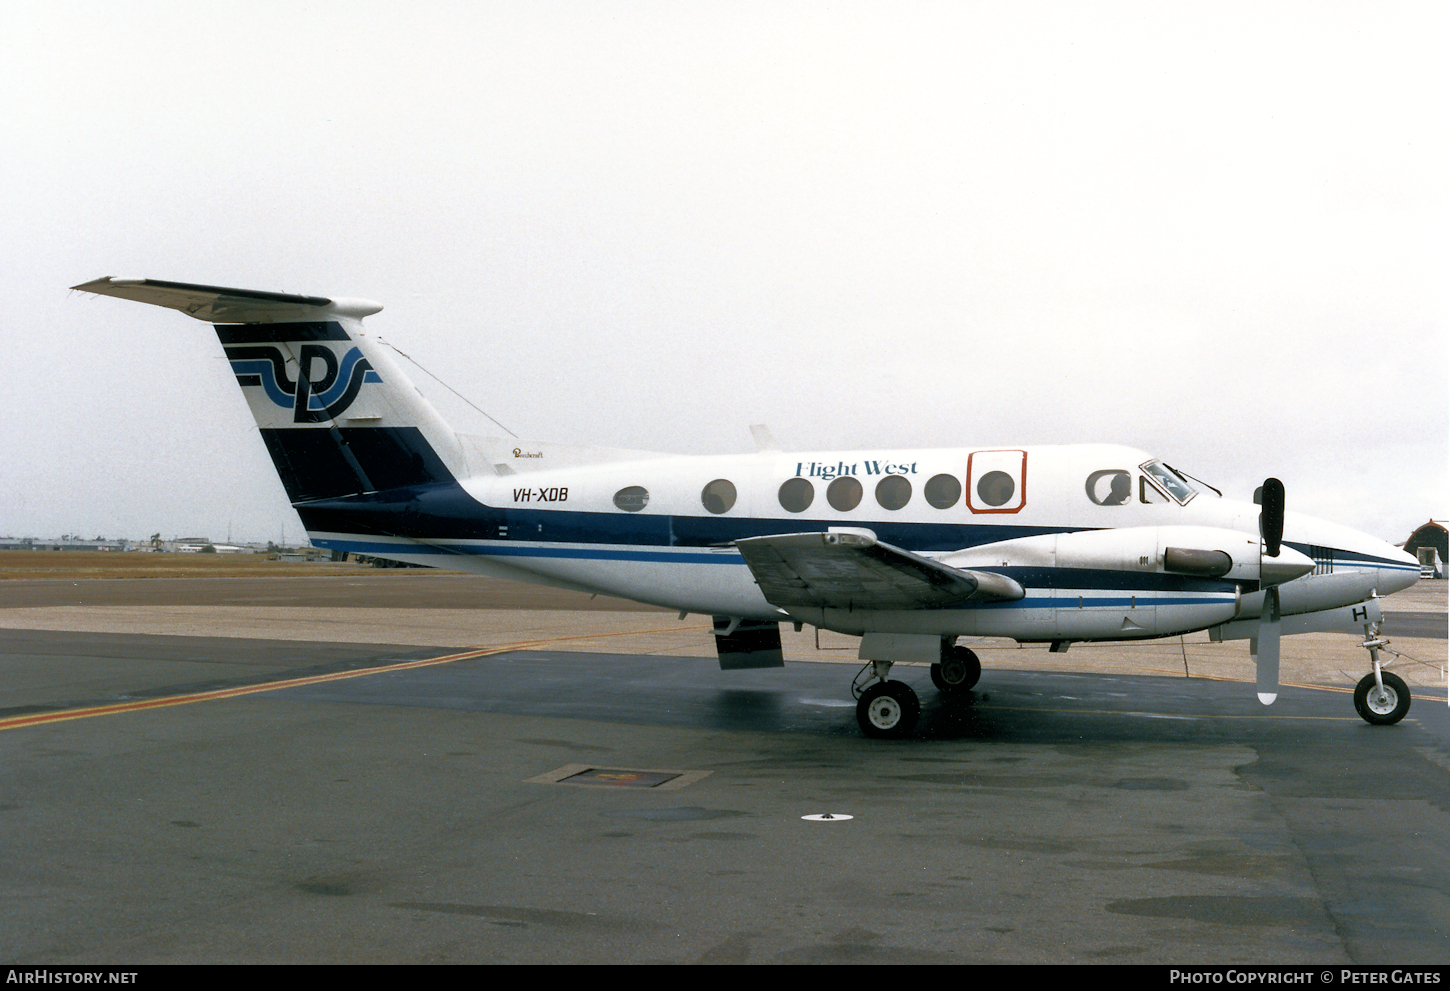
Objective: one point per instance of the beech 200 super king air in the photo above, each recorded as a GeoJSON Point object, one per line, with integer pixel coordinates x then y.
{"type": "Point", "coordinates": [908, 550]}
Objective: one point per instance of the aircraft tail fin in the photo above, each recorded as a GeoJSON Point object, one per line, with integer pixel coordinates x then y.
{"type": "Point", "coordinates": [337, 413]}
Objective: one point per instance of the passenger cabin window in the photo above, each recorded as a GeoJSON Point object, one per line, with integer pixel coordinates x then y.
{"type": "Point", "coordinates": [844, 494]}
{"type": "Point", "coordinates": [796, 495]}
{"type": "Point", "coordinates": [718, 496]}
{"type": "Point", "coordinates": [995, 488]}
{"type": "Point", "coordinates": [893, 492]}
{"type": "Point", "coordinates": [943, 491]}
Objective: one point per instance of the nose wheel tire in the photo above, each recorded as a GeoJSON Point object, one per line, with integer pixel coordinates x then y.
{"type": "Point", "coordinates": [959, 670]}
{"type": "Point", "coordinates": [1382, 708]}
{"type": "Point", "coordinates": [888, 710]}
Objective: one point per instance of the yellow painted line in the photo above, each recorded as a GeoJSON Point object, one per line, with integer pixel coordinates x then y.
{"type": "Point", "coordinates": [41, 718]}
{"type": "Point", "coordinates": [44, 718]}
{"type": "Point", "coordinates": [601, 636]}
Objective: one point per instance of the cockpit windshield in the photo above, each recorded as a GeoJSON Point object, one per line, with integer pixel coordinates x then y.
{"type": "Point", "coordinates": [1170, 481]}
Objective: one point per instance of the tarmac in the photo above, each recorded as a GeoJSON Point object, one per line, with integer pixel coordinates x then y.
{"type": "Point", "coordinates": [428, 768]}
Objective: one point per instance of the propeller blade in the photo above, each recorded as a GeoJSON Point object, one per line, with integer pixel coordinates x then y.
{"type": "Point", "coordinates": [1271, 516]}
{"type": "Point", "coordinates": [1265, 648]}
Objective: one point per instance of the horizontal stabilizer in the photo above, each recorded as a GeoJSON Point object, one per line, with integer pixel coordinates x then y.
{"type": "Point", "coordinates": [854, 570]}
{"type": "Point", "coordinates": [218, 304]}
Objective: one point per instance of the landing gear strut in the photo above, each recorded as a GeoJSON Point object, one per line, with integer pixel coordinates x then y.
{"type": "Point", "coordinates": [887, 709]}
{"type": "Point", "coordinates": [1380, 698]}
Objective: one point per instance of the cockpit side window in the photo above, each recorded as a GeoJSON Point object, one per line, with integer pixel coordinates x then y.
{"type": "Point", "coordinates": [1168, 480]}
{"type": "Point", "coordinates": [1148, 492]}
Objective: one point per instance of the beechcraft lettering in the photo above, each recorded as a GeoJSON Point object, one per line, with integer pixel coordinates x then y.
{"type": "Point", "coordinates": [909, 552]}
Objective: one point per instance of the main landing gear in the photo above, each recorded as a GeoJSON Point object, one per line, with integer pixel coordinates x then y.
{"type": "Point", "coordinates": [959, 670]}
{"type": "Point", "coordinates": [1380, 698]}
{"type": "Point", "coordinates": [889, 709]}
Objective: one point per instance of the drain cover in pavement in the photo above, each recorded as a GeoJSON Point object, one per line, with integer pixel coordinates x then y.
{"type": "Point", "coordinates": [589, 776]}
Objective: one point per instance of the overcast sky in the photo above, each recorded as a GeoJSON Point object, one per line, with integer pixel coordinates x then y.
{"type": "Point", "coordinates": [1214, 231]}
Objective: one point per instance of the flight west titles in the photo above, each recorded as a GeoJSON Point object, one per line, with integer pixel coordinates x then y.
{"type": "Point", "coordinates": [826, 472]}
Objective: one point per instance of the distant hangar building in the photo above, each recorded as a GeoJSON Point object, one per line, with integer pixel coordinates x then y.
{"type": "Point", "coordinates": [1431, 544]}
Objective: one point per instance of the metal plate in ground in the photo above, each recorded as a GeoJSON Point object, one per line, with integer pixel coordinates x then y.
{"type": "Point", "coordinates": [590, 776]}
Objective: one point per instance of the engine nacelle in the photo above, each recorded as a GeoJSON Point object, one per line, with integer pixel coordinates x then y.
{"type": "Point", "coordinates": [1199, 551]}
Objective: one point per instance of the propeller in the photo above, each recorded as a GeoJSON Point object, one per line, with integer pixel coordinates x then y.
{"type": "Point", "coordinates": [1271, 515]}
{"type": "Point", "coordinates": [1265, 646]}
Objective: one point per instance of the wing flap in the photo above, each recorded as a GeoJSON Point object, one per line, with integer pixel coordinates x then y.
{"type": "Point", "coordinates": [856, 571]}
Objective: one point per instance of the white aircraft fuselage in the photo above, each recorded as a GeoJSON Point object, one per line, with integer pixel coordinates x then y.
{"type": "Point", "coordinates": [562, 524]}
{"type": "Point", "coordinates": [909, 549]}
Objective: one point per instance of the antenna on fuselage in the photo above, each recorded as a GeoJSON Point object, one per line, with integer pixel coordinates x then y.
{"type": "Point", "coordinates": [763, 439]}
{"type": "Point", "coordinates": [450, 388]}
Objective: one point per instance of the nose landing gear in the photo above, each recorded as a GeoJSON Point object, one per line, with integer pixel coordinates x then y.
{"type": "Point", "coordinates": [1383, 703]}
{"type": "Point", "coordinates": [1380, 698]}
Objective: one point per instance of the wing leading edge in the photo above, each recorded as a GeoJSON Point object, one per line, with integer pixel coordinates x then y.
{"type": "Point", "coordinates": [854, 570]}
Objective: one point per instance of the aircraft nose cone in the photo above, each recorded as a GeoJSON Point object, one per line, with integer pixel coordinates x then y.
{"type": "Point", "coordinates": [1399, 580]}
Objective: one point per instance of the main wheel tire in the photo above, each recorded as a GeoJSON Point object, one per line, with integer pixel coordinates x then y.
{"type": "Point", "coordinates": [1382, 709]}
{"type": "Point", "coordinates": [959, 670]}
{"type": "Point", "coordinates": [888, 710]}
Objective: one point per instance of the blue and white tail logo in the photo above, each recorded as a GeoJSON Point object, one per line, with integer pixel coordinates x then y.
{"type": "Point", "coordinates": [320, 393]}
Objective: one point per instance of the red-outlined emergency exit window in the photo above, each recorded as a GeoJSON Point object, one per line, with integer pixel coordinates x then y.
{"type": "Point", "coordinates": [996, 481]}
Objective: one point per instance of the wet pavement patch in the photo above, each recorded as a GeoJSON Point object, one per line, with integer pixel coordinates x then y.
{"type": "Point", "coordinates": [1227, 909]}
{"type": "Point", "coordinates": [518, 915]}
{"type": "Point", "coordinates": [1152, 784]}
{"type": "Point", "coordinates": [688, 813]}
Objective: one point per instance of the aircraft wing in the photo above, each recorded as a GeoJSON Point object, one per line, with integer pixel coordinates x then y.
{"type": "Point", "coordinates": [214, 304]}
{"type": "Point", "coordinates": [854, 570]}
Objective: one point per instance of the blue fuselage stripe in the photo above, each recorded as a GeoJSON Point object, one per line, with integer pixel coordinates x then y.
{"type": "Point", "coordinates": [1139, 584]}
{"type": "Point", "coordinates": [439, 519]}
